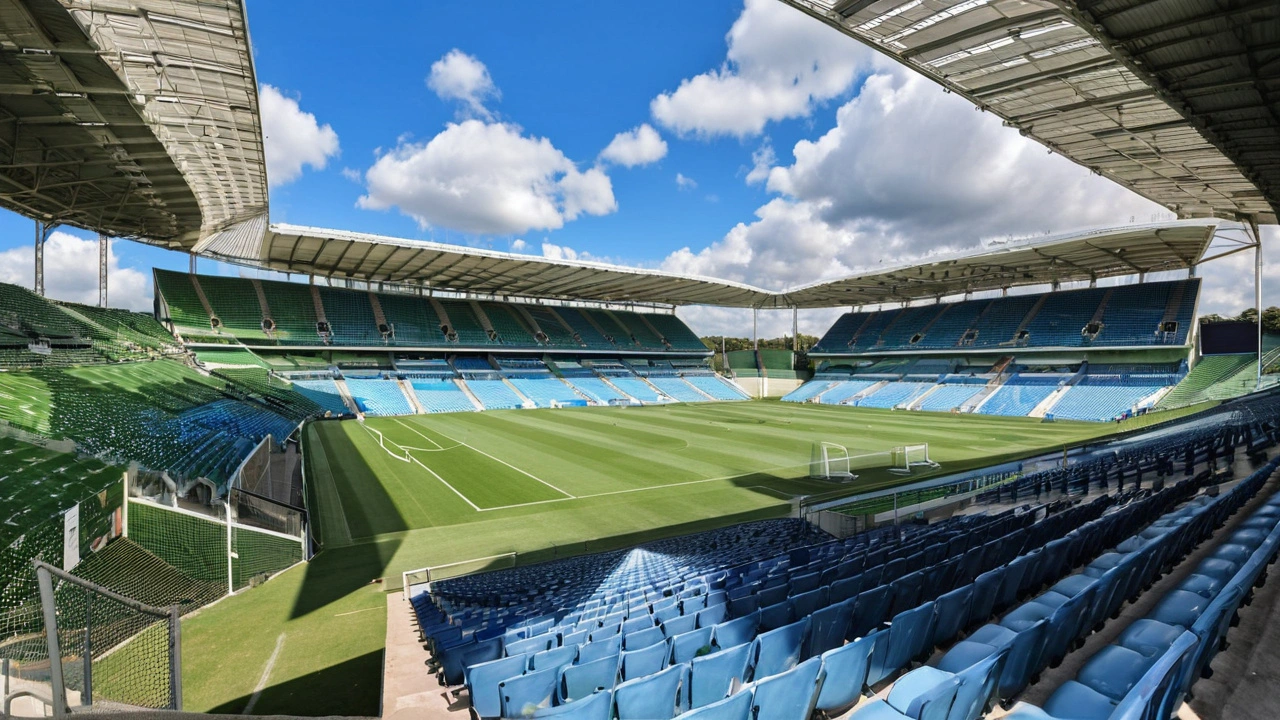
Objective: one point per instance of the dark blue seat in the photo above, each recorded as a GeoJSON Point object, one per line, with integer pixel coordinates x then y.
{"type": "Point", "coordinates": [828, 627]}
{"type": "Point", "coordinates": [870, 609]}
{"type": "Point", "coordinates": [845, 588]}
{"type": "Point", "coordinates": [985, 589]}
{"type": "Point", "coordinates": [659, 696]}
{"type": "Point", "coordinates": [807, 603]}
{"type": "Point", "coordinates": [910, 633]}
{"type": "Point", "coordinates": [776, 615]}
{"type": "Point", "coordinates": [951, 613]}
{"type": "Point", "coordinates": [1179, 607]}
{"type": "Point", "coordinates": [925, 692]}
{"type": "Point", "coordinates": [906, 592]}
{"type": "Point", "coordinates": [1149, 637]}
{"type": "Point", "coordinates": [789, 695]}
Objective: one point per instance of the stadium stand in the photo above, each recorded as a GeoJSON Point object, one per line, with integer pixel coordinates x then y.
{"type": "Point", "coordinates": [494, 394]}
{"type": "Point", "coordinates": [547, 392]}
{"type": "Point", "coordinates": [717, 387]}
{"type": "Point", "coordinates": [1020, 394]}
{"type": "Point", "coordinates": [636, 388]}
{"type": "Point", "coordinates": [1128, 315]}
{"type": "Point", "coordinates": [597, 389]}
{"type": "Point", "coordinates": [1102, 398]}
{"type": "Point", "coordinates": [37, 484]}
{"type": "Point", "coordinates": [378, 396]}
{"type": "Point", "coordinates": [844, 390]}
{"type": "Point", "coordinates": [949, 397]}
{"type": "Point", "coordinates": [733, 618]}
{"type": "Point", "coordinates": [807, 391]}
{"type": "Point", "coordinates": [441, 396]}
{"type": "Point", "coordinates": [678, 389]}
{"type": "Point", "coordinates": [324, 393]}
{"type": "Point", "coordinates": [410, 320]}
{"type": "Point", "coordinates": [893, 394]}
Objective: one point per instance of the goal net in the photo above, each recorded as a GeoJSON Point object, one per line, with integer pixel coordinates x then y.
{"type": "Point", "coordinates": [107, 650]}
{"type": "Point", "coordinates": [830, 461]}
{"type": "Point", "coordinates": [907, 458]}
{"type": "Point", "coordinates": [415, 581]}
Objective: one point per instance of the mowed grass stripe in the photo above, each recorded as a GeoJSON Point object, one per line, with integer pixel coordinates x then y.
{"type": "Point", "coordinates": [486, 482]}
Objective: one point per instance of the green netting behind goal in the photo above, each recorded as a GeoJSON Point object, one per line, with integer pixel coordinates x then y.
{"type": "Point", "coordinates": [196, 546]}
{"type": "Point", "coordinates": [258, 555]}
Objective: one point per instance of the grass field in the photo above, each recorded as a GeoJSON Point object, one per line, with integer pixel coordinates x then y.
{"type": "Point", "coordinates": [396, 494]}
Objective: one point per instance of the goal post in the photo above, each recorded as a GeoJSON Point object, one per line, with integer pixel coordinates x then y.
{"type": "Point", "coordinates": [830, 461]}
{"type": "Point", "coordinates": [906, 458]}
{"type": "Point", "coordinates": [424, 576]}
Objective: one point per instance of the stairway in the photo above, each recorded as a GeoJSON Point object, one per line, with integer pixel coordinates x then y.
{"type": "Point", "coordinates": [378, 315]}
{"type": "Point", "coordinates": [444, 318]}
{"type": "Point", "coordinates": [1174, 304]}
{"type": "Point", "coordinates": [462, 385]}
{"type": "Point", "coordinates": [1031, 314]}
{"type": "Point", "coordinates": [262, 303]}
{"type": "Point", "coordinates": [484, 321]}
{"type": "Point", "coordinates": [858, 333]}
{"type": "Point", "coordinates": [204, 301]}
{"type": "Point", "coordinates": [1102, 306]}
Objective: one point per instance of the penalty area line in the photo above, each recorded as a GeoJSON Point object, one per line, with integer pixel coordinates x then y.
{"type": "Point", "coordinates": [434, 474]}
{"type": "Point", "coordinates": [567, 496]}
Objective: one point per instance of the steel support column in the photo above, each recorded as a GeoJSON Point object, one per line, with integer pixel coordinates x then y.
{"type": "Point", "coordinates": [795, 329]}
{"type": "Point", "coordinates": [755, 338]}
{"type": "Point", "coordinates": [1257, 294]}
{"type": "Point", "coordinates": [103, 252]}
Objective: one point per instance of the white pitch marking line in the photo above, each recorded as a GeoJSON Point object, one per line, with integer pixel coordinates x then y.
{"type": "Point", "coordinates": [643, 489]}
{"type": "Point", "coordinates": [266, 675]}
{"type": "Point", "coordinates": [444, 482]}
{"type": "Point", "coordinates": [568, 496]}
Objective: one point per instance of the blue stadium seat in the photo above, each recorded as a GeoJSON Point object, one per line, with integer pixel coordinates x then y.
{"type": "Point", "coordinates": [712, 676]}
{"type": "Point", "coordinates": [645, 661]}
{"type": "Point", "coordinates": [598, 706]}
{"type": "Point", "coordinates": [523, 695]}
{"type": "Point", "coordinates": [735, 707]}
{"type": "Point", "coordinates": [790, 695]}
{"type": "Point", "coordinates": [846, 671]}
{"type": "Point", "coordinates": [778, 650]}
{"type": "Point", "coordinates": [579, 681]}
{"type": "Point", "coordinates": [659, 696]}
{"type": "Point", "coordinates": [484, 681]}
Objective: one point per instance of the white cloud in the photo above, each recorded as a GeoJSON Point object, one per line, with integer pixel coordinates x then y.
{"type": "Point", "coordinates": [1228, 283]}
{"type": "Point", "coordinates": [684, 182]}
{"type": "Point", "coordinates": [459, 76]}
{"type": "Point", "coordinates": [780, 63]}
{"type": "Point", "coordinates": [562, 252]}
{"type": "Point", "coordinates": [293, 138]}
{"type": "Point", "coordinates": [518, 245]}
{"type": "Point", "coordinates": [762, 161]}
{"type": "Point", "coordinates": [736, 322]}
{"type": "Point", "coordinates": [71, 273]}
{"type": "Point", "coordinates": [486, 178]}
{"type": "Point", "coordinates": [639, 146]}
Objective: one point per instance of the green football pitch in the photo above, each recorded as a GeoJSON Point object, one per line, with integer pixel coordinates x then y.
{"type": "Point", "coordinates": [396, 494]}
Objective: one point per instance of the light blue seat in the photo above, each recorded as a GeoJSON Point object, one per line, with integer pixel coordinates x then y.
{"type": "Point", "coordinates": [778, 650]}
{"type": "Point", "coordinates": [575, 637]}
{"type": "Point", "coordinates": [869, 610]}
{"type": "Point", "coordinates": [828, 627]}
{"type": "Point", "coordinates": [1153, 695]}
{"type": "Point", "coordinates": [923, 682]}
{"type": "Point", "coordinates": [636, 624]}
{"type": "Point", "coordinates": [776, 615]}
{"type": "Point", "coordinates": [712, 676]}
{"type": "Point", "coordinates": [735, 707]}
{"type": "Point", "coordinates": [686, 646]}
{"type": "Point", "coordinates": [712, 615]}
{"type": "Point", "coordinates": [591, 651]}
{"type": "Point", "coordinates": [484, 679]}
{"type": "Point", "coordinates": [978, 686]}
{"type": "Point", "coordinates": [789, 695]}
{"type": "Point", "coordinates": [554, 659]}
{"type": "Point", "coordinates": [737, 631]}
{"type": "Point", "coordinates": [845, 669]}
{"type": "Point", "coordinates": [1149, 637]}
{"type": "Point", "coordinates": [659, 696]}
{"type": "Point", "coordinates": [598, 706]}
{"type": "Point", "coordinates": [645, 661]}
{"type": "Point", "coordinates": [523, 695]}
{"type": "Point", "coordinates": [679, 624]}
{"type": "Point", "coordinates": [578, 681]}
{"type": "Point", "coordinates": [642, 638]}
{"type": "Point", "coordinates": [531, 645]}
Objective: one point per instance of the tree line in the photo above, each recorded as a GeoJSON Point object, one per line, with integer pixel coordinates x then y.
{"type": "Point", "coordinates": [1270, 318]}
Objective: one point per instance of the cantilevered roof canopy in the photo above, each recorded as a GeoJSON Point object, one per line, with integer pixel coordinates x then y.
{"type": "Point", "coordinates": [1068, 258]}
{"type": "Point", "coordinates": [375, 258]}
{"type": "Point", "coordinates": [1178, 100]}
{"type": "Point", "coordinates": [136, 118]}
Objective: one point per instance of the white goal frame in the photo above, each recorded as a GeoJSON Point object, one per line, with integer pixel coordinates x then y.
{"type": "Point", "coordinates": [906, 458]}
{"type": "Point", "coordinates": [830, 461]}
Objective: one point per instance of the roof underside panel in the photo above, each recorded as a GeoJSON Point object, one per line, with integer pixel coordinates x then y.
{"type": "Point", "coordinates": [135, 118]}
{"type": "Point", "coordinates": [1033, 64]}
{"type": "Point", "coordinates": [373, 258]}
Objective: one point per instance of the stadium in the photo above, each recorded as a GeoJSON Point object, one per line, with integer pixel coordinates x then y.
{"type": "Point", "coordinates": [375, 476]}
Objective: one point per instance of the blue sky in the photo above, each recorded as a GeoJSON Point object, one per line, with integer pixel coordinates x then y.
{"type": "Point", "coordinates": [746, 141]}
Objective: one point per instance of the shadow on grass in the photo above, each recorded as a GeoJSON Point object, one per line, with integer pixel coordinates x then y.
{"type": "Point", "coordinates": [336, 572]}
{"type": "Point", "coordinates": [352, 687]}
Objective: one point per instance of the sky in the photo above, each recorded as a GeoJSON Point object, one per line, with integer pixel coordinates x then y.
{"type": "Point", "coordinates": [741, 141]}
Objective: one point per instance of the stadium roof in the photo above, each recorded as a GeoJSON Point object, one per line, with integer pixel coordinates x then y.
{"type": "Point", "coordinates": [137, 118]}
{"type": "Point", "coordinates": [375, 258]}
{"type": "Point", "coordinates": [1177, 100]}
{"type": "Point", "coordinates": [1077, 257]}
